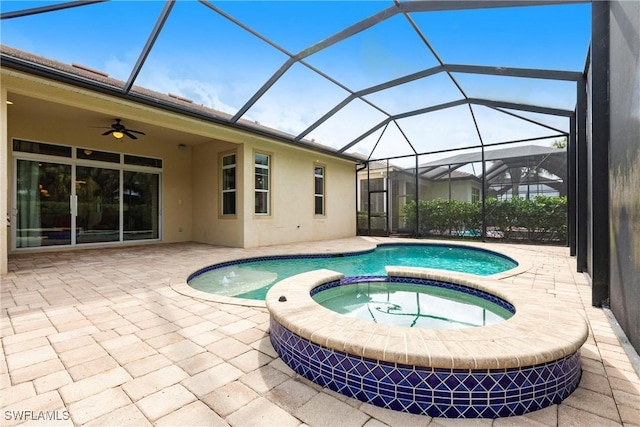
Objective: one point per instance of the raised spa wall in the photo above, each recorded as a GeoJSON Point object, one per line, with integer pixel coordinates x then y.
{"type": "Point", "coordinates": [525, 363]}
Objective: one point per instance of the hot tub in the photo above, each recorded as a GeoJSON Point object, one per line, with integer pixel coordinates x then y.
{"type": "Point", "coordinates": [525, 363]}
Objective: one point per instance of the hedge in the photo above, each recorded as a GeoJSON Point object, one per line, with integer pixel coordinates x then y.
{"type": "Point", "coordinates": [541, 219]}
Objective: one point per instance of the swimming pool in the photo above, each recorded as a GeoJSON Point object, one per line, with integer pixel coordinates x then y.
{"type": "Point", "coordinates": [252, 278]}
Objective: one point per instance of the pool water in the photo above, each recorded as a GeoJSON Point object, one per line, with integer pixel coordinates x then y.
{"type": "Point", "coordinates": [416, 306]}
{"type": "Point", "coordinates": [251, 279]}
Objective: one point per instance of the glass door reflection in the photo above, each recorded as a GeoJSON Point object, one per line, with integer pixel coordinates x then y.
{"type": "Point", "coordinates": [141, 205]}
{"type": "Point", "coordinates": [43, 216]}
{"type": "Point", "coordinates": [98, 193]}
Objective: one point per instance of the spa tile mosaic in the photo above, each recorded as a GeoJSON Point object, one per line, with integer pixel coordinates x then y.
{"type": "Point", "coordinates": [451, 393]}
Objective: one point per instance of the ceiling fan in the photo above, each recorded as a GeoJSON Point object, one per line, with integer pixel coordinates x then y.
{"type": "Point", "coordinates": [118, 130]}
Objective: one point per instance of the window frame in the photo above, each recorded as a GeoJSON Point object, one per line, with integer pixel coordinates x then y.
{"type": "Point", "coordinates": [224, 191]}
{"type": "Point", "coordinates": [321, 195]}
{"type": "Point", "coordinates": [75, 161]}
{"type": "Point", "coordinates": [475, 193]}
{"type": "Point", "coordinates": [268, 168]}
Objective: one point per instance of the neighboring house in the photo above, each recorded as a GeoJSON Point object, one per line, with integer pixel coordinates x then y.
{"type": "Point", "coordinates": [451, 184]}
{"type": "Point", "coordinates": [523, 171]}
{"type": "Point", "coordinates": [385, 188]}
{"type": "Point", "coordinates": [186, 179]}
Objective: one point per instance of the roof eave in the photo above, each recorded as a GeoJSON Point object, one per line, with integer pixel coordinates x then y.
{"type": "Point", "coordinates": [136, 97]}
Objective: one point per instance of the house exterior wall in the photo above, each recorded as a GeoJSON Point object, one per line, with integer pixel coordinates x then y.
{"type": "Point", "coordinates": [176, 182]}
{"type": "Point", "coordinates": [4, 182]}
{"type": "Point", "coordinates": [291, 217]}
{"type": "Point", "coordinates": [190, 180]}
{"type": "Point", "coordinates": [624, 166]}
{"type": "Point", "coordinates": [460, 190]}
{"type": "Point", "coordinates": [208, 223]}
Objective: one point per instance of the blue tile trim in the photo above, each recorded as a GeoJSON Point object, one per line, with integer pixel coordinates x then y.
{"type": "Point", "coordinates": [436, 392]}
{"type": "Point", "coordinates": [417, 281]}
{"type": "Point", "coordinates": [274, 258]}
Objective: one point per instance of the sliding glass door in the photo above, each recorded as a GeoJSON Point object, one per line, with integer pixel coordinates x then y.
{"type": "Point", "coordinates": [140, 209]}
{"type": "Point", "coordinates": [98, 216]}
{"type": "Point", "coordinates": [43, 191]}
{"type": "Point", "coordinates": [67, 196]}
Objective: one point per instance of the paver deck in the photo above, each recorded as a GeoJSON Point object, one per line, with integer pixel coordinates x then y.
{"type": "Point", "coordinates": [99, 337]}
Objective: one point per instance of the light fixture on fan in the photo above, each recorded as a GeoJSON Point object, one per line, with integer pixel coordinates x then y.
{"type": "Point", "coordinates": [118, 130]}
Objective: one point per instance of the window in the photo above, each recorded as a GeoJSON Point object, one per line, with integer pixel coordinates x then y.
{"type": "Point", "coordinates": [41, 148]}
{"type": "Point", "coordinates": [141, 205]}
{"type": "Point", "coordinates": [229, 184]}
{"type": "Point", "coordinates": [262, 164]}
{"type": "Point", "coordinates": [142, 161]}
{"type": "Point", "coordinates": [318, 175]}
{"type": "Point", "coordinates": [475, 194]}
{"type": "Point", "coordinates": [99, 156]}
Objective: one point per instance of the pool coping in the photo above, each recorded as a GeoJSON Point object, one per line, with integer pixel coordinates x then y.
{"type": "Point", "coordinates": [180, 285]}
{"type": "Point", "coordinates": [537, 333]}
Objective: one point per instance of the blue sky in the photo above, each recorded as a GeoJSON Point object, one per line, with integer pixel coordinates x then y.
{"type": "Point", "coordinates": [205, 57]}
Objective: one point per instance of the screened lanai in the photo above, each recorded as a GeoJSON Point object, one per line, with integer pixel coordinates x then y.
{"type": "Point", "coordinates": [429, 106]}
{"type": "Point", "coordinates": [378, 78]}
{"type": "Point", "coordinates": [406, 82]}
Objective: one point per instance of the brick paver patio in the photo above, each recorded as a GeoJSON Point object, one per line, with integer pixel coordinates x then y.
{"type": "Point", "coordinates": [99, 337]}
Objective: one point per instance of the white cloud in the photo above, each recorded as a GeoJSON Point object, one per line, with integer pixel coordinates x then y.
{"type": "Point", "coordinates": [293, 106]}
{"type": "Point", "coordinates": [118, 69]}
{"type": "Point", "coordinates": [159, 78]}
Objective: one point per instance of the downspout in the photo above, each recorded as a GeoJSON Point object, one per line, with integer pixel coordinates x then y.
{"type": "Point", "coordinates": [359, 168]}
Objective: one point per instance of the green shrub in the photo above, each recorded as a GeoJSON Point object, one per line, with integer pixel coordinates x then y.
{"type": "Point", "coordinates": [378, 222]}
{"type": "Point", "coordinates": [542, 219]}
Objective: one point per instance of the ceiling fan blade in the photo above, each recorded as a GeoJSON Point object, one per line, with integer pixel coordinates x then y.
{"type": "Point", "coordinates": [108, 132]}
{"type": "Point", "coordinates": [136, 131]}
{"type": "Point", "coordinates": [130, 135]}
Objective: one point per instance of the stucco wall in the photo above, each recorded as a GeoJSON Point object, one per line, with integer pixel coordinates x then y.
{"type": "Point", "coordinates": [292, 216]}
{"type": "Point", "coordinates": [460, 190]}
{"type": "Point", "coordinates": [209, 226]}
{"type": "Point", "coordinates": [56, 113]}
{"type": "Point", "coordinates": [4, 183]}
{"type": "Point", "coordinates": [624, 161]}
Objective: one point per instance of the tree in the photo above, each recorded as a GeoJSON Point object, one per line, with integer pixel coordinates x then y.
{"type": "Point", "coordinates": [560, 143]}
